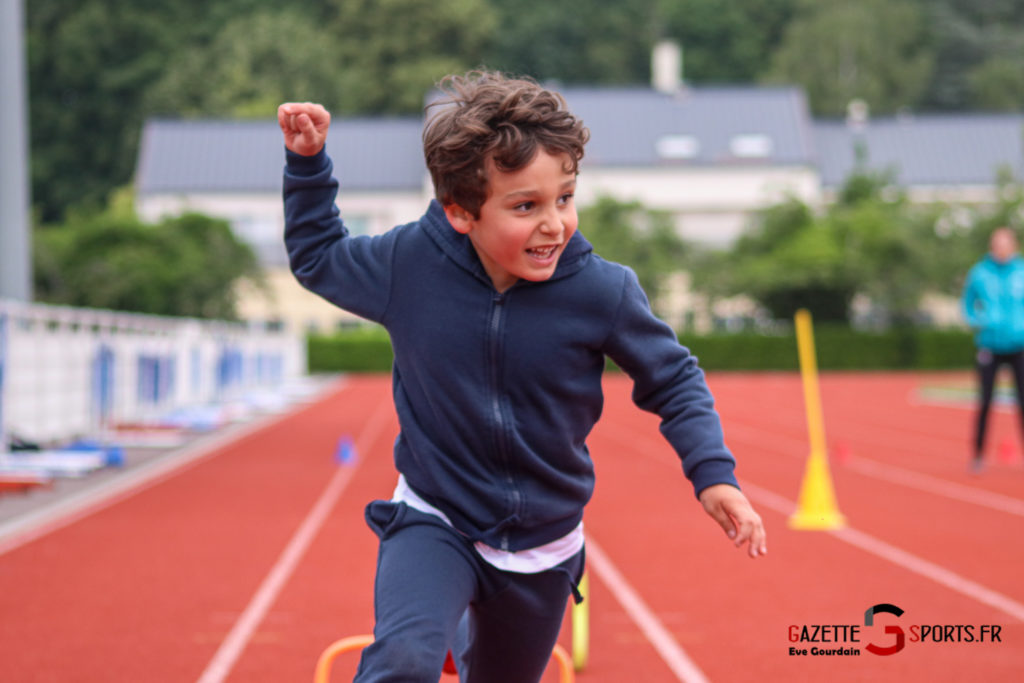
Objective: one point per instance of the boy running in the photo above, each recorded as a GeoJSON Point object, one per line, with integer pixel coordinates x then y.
{"type": "Point", "coordinates": [500, 316]}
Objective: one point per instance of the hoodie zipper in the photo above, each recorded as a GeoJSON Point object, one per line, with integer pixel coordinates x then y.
{"type": "Point", "coordinates": [498, 414]}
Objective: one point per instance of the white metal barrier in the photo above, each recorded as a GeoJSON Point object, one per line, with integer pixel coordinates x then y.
{"type": "Point", "coordinates": [68, 372]}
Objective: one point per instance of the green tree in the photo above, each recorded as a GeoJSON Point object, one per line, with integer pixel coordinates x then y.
{"type": "Point", "coordinates": [88, 66]}
{"type": "Point", "coordinates": [724, 40]}
{"type": "Point", "coordinates": [393, 51]}
{"type": "Point", "coordinates": [589, 42]}
{"type": "Point", "coordinates": [640, 238]}
{"type": "Point", "coordinates": [997, 84]}
{"type": "Point", "coordinates": [979, 47]}
{"type": "Point", "coordinates": [98, 68]}
{"type": "Point", "coordinates": [875, 50]}
{"type": "Point", "coordinates": [187, 266]}
{"type": "Point", "coordinates": [871, 242]}
{"type": "Point", "coordinates": [790, 260]}
{"type": "Point", "coordinates": [882, 253]}
{"type": "Point", "coordinates": [91, 64]}
{"type": "Point", "coordinates": [960, 234]}
{"type": "Point", "coordinates": [255, 62]}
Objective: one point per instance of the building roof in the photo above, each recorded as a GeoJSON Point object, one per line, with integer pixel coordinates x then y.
{"type": "Point", "coordinates": [630, 127]}
{"type": "Point", "coordinates": [248, 156]}
{"type": "Point", "coordinates": [925, 150]}
{"type": "Point", "coordinates": [698, 126]}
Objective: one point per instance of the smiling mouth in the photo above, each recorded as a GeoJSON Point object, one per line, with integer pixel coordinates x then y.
{"type": "Point", "coordinates": [542, 252]}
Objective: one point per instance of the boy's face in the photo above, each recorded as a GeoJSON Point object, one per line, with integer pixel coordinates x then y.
{"type": "Point", "coordinates": [526, 221]}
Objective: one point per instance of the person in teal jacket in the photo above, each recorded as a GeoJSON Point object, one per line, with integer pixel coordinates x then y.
{"type": "Point", "coordinates": [993, 302]}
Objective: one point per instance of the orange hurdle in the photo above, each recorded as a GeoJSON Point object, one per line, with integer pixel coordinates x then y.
{"type": "Point", "coordinates": [327, 657]}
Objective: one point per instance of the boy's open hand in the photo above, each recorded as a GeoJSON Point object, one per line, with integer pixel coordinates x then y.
{"type": "Point", "coordinates": [304, 125]}
{"type": "Point", "coordinates": [729, 507]}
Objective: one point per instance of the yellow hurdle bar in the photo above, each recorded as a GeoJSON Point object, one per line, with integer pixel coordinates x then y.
{"type": "Point", "coordinates": [581, 626]}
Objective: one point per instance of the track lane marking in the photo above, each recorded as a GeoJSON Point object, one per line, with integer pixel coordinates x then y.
{"type": "Point", "coordinates": [866, 431]}
{"type": "Point", "coordinates": [664, 643]}
{"type": "Point", "coordinates": [241, 633]}
{"type": "Point", "coordinates": [868, 428]}
{"type": "Point", "coordinates": [763, 438]}
{"type": "Point", "coordinates": [900, 558]}
{"type": "Point", "coordinates": [893, 474]}
{"type": "Point", "coordinates": [865, 542]}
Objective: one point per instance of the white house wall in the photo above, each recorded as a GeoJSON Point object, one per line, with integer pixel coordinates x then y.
{"type": "Point", "coordinates": [287, 301]}
{"type": "Point", "coordinates": [710, 205]}
{"type": "Point", "coordinates": [153, 207]}
{"type": "Point", "coordinates": [258, 219]}
{"type": "Point", "coordinates": [978, 195]}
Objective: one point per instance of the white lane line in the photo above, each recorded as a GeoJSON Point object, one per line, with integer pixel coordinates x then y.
{"type": "Point", "coordinates": [900, 558]}
{"type": "Point", "coordinates": [932, 571]}
{"type": "Point", "coordinates": [865, 542]}
{"type": "Point", "coordinates": [675, 657]}
{"type": "Point", "coordinates": [874, 435]}
{"type": "Point", "coordinates": [930, 484]}
{"type": "Point", "coordinates": [762, 438]}
{"type": "Point", "coordinates": [241, 633]}
{"type": "Point", "coordinates": [73, 508]}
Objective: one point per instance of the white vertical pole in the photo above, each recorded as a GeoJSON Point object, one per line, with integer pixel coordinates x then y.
{"type": "Point", "coordinates": [3, 368]}
{"type": "Point", "coordinates": [15, 246]}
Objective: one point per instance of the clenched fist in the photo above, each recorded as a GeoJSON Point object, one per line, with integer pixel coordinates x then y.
{"type": "Point", "coordinates": [304, 125]}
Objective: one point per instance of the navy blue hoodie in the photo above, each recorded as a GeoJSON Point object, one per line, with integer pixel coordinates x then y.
{"type": "Point", "coordinates": [497, 392]}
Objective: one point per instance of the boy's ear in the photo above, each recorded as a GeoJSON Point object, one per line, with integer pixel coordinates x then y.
{"type": "Point", "coordinates": [460, 219]}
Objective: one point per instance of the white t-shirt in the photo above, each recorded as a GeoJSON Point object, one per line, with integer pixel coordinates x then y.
{"type": "Point", "coordinates": [529, 561]}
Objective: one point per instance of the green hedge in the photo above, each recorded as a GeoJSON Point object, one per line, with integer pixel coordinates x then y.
{"type": "Point", "coordinates": [366, 349]}
{"type": "Point", "coordinates": [838, 348]}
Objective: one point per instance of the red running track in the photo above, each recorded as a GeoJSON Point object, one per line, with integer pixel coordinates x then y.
{"type": "Point", "coordinates": [226, 567]}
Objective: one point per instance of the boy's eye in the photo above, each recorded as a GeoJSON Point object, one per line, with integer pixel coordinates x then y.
{"type": "Point", "coordinates": [524, 206]}
{"type": "Point", "coordinates": [566, 198]}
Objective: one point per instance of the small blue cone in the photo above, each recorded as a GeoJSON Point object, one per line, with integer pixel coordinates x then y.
{"type": "Point", "coordinates": [115, 456]}
{"type": "Point", "coordinates": [346, 454]}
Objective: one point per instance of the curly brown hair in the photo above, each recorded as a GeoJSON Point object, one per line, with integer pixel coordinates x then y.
{"type": "Point", "coordinates": [486, 114]}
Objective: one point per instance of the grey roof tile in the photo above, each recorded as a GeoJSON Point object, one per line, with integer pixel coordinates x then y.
{"type": "Point", "coordinates": [934, 149]}
{"type": "Point", "coordinates": [247, 156]}
{"type": "Point", "coordinates": [627, 123]}
{"type": "Point", "coordinates": [626, 127]}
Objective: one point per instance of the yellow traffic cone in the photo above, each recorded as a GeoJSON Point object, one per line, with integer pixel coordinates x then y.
{"type": "Point", "coordinates": [817, 509]}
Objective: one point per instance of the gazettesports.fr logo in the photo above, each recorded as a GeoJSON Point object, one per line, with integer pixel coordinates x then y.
{"type": "Point", "coordinates": [847, 640]}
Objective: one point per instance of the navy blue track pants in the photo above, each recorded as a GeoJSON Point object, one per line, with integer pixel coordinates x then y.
{"type": "Point", "coordinates": [434, 593]}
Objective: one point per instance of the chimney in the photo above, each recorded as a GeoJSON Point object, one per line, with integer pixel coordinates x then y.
{"type": "Point", "coordinates": [667, 67]}
{"type": "Point", "coordinates": [857, 115]}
